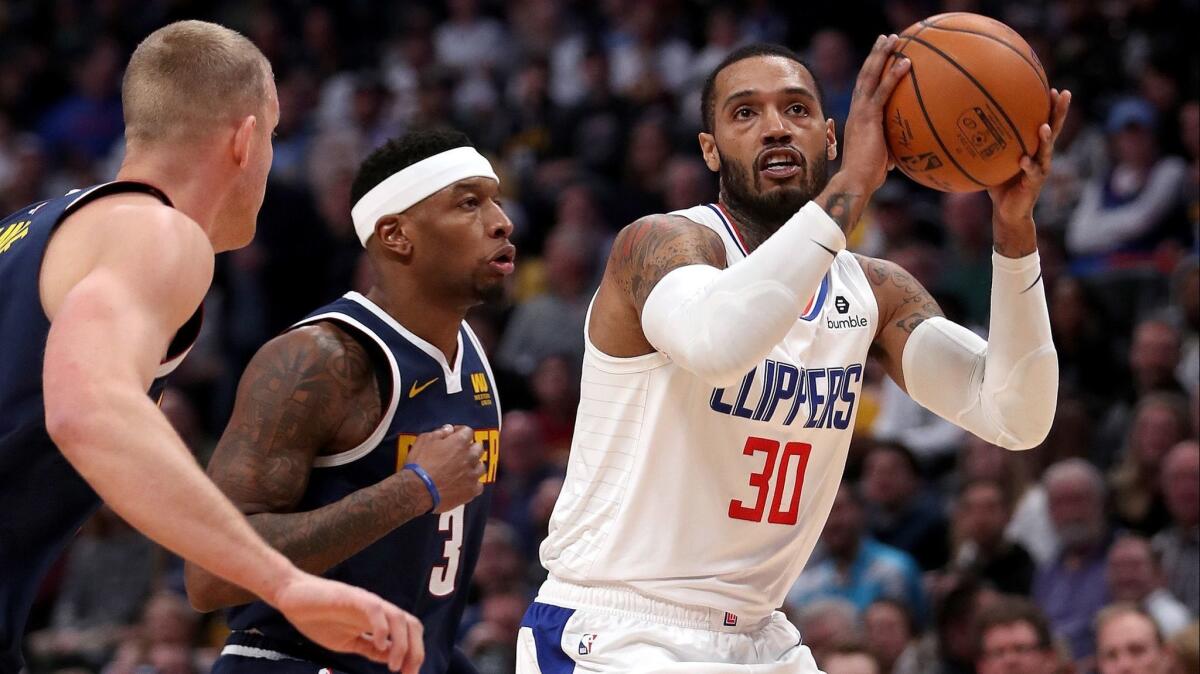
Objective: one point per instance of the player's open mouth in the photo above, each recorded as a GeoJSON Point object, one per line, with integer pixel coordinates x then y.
{"type": "Point", "coordinates": [780, 163]}
{"type": "Point", "coordinates": [502, 262]}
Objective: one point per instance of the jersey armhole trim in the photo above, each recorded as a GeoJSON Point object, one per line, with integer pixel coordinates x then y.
{"type": "Point", "coordinates": [377, 435]}
{"type": "Point", "coordinates": [616, 364]}
{"type": "Point", "coordinates": [488, 367]}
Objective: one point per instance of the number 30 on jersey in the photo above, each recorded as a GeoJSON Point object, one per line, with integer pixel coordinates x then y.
{"type": "Point", "coordinates": [787, 468]}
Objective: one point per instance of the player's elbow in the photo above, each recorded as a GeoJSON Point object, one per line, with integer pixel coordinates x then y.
{"type": "Point", "coordinates": [201, 589]}
{"type": "Point", "coordinates": [71, 420]}
{"type": "Point", "coordinates": [79, 412]}
{"type": "Point", "coordinates": [1026, 411]}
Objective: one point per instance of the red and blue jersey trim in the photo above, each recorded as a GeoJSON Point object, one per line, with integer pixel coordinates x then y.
{"type": "Point", "coordinates": [815, 303]}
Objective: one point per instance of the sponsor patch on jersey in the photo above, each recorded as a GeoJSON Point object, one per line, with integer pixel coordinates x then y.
{"type": "Point", "coordinates": [479, 383]}
{"type": "Point", "coordinates": [842, 321]}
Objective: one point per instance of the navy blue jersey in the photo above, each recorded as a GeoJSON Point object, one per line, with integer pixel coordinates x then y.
{"type": "Point", "coordinates": [425, 565]}
{"type": "Point", "coordinates": [43, 501]}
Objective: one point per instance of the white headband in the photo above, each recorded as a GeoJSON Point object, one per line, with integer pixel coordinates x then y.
{"type": "Point", "coordinates": [414, 183]}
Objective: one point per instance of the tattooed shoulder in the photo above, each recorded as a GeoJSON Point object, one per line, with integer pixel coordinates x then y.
{"type": "Point", "coordinates": [298, 393]}
{"type": "Point", "coordinates": [650, 247]}
{"type": "Point", "coordinates": [903, 302]}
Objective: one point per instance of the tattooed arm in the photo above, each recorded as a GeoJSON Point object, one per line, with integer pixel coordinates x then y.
{"type": "Point", "coordinates": [642, 254]}
{"type": "Point", "coordinates": [310, 391]}
{"type": "Point", "coordinates": [903, 305]}
{"type": "Point", "coordinates": [667, 289]}
{"type": "Point", "coordinates": [1003, 389]}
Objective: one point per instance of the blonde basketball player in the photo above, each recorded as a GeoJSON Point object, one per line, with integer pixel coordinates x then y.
{"type": "Point", "coordinates": [725, 354]}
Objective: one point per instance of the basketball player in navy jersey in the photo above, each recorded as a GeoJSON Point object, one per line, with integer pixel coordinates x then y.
{"type": "Point", "coordinates": [357, 436]}
{"type": "Point", "coordinates": [99, 299]}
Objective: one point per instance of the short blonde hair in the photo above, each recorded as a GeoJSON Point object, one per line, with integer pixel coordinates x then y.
{"type": "Point", "coordinates": [186, 78]}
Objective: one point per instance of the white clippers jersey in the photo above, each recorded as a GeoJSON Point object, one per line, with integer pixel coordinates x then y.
{"type": "Point", "coordinates": [714, 497]}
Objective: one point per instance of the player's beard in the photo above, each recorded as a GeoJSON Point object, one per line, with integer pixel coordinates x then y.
{"type": "Point", "coordinates": [741, 189]}
{"type": "Point", "coordinates": [488, 291]}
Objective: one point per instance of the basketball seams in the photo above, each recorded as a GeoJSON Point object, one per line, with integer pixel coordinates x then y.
{"type": "Point", "coordinates": [1036, 65]}
{"type": "Point", "coordinates": [971, 78]}
{"type": "Point", "coordinates": [912, 72]}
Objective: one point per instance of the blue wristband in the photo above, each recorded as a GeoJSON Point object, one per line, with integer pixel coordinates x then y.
{"type": "Point", "coordinates": [433, 490]}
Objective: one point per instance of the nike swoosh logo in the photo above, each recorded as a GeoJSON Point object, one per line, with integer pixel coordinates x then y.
{"type": "Point", "coordinates": [414, 390]}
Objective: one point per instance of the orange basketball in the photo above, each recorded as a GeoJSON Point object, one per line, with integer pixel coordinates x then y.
{"type": "Point", "coordinates": [970, 106]}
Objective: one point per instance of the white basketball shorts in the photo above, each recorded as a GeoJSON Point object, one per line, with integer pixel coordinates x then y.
{"type": "Point", "coordinates": [574, 628]}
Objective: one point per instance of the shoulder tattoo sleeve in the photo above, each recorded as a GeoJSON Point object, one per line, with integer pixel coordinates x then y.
{"type": "Point", "coordinates": [649, 248]}
{"type": "Point", "coordinates": [295, 395]}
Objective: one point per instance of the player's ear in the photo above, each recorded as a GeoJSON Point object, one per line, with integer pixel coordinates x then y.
{"type": "Point", "coordinates": [830, 140]}
{"type": "Point", "coordinates": [393, 234]}
{"type": "Point", "coordinates": [708, 148]}
{"type": "Point", "coordinates": [243, 141]}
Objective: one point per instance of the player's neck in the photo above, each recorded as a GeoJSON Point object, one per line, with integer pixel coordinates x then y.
{"type": "Point", "coordinates": [430, 320]}
{"type": "Point", "coordinates": [752, 230]}
{"type": "Point", "coordinates": [190, 192]}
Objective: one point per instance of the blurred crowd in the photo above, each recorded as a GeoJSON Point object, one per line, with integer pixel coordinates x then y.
{"type": "Point", "coordinates": [589, 110]}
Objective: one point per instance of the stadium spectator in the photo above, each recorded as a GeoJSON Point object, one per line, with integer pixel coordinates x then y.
{"type": "Point", "coordinates": [901, 511]}
{"type": "Point", "coordinates": [892, 638]}
{"type": "Point", "coordinates": [1179, 545]}
{"type": "Point", "coordinates": [1072, 588]}
{"type": "Point", "coordinates": [1125, 214]}
{"type": "Point", "coordinates": [1013, 637]}
{"type": "Point", "coordinates": [850, 658]}
{"type": "Point", "coordinates": [981, 513]}
{"type": "Point", "coordinates": [1134, 578]}
{"type": "Point", "coordinates": [1128, 642]}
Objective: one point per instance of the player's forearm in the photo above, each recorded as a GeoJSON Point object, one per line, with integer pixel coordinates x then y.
{"type": "Point", "coordinates": [1004, 390]}
{"type": "Point", "coordinates": [317, 540]}
{"type": "Point", "coordinates": [127, 451]}
{"type": "Point", "coordinates": [1014, 239]}
{"type": "Point", "coordinates": [844, 198]}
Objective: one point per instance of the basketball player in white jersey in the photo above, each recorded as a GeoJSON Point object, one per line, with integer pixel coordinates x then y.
{"type": "Point", "coordinates": [724, 357]}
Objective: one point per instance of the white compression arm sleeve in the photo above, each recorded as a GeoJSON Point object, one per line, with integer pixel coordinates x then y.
{"type": "Point", "coordinates": [720, 323]}
{"type": "Point", "coordinates": [1004, 390]}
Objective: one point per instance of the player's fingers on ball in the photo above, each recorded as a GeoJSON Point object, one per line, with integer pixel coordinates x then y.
{"type": "Point", "coordinates": [891, 78]}
{"type": "Point", "coordinates": [878, 58]}
{"type": "Point", "coordinates": [416, 646]}
{"type": "Point", "coordinates": [1045, 146]}
{"type": "Point", "coordinates": [868, 75]}
{"type": "Point", "coordinates": [1061, 107]}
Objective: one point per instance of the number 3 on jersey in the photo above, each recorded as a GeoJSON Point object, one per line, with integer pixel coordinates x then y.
{"type": "Point", "coordinates": [443, 576]}
{"type": "Point", "coordinates": [788, 467]}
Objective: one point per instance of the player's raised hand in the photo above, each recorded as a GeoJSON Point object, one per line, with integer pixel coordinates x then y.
{"type": "Point", "coordinates": [351, 620]}
{"type": "Point", "coordinates": [1013, 201]}
{"type": "Point", "coordinates": [452, 459]}
{"type": "Point", "coordinates": [865, 154]}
